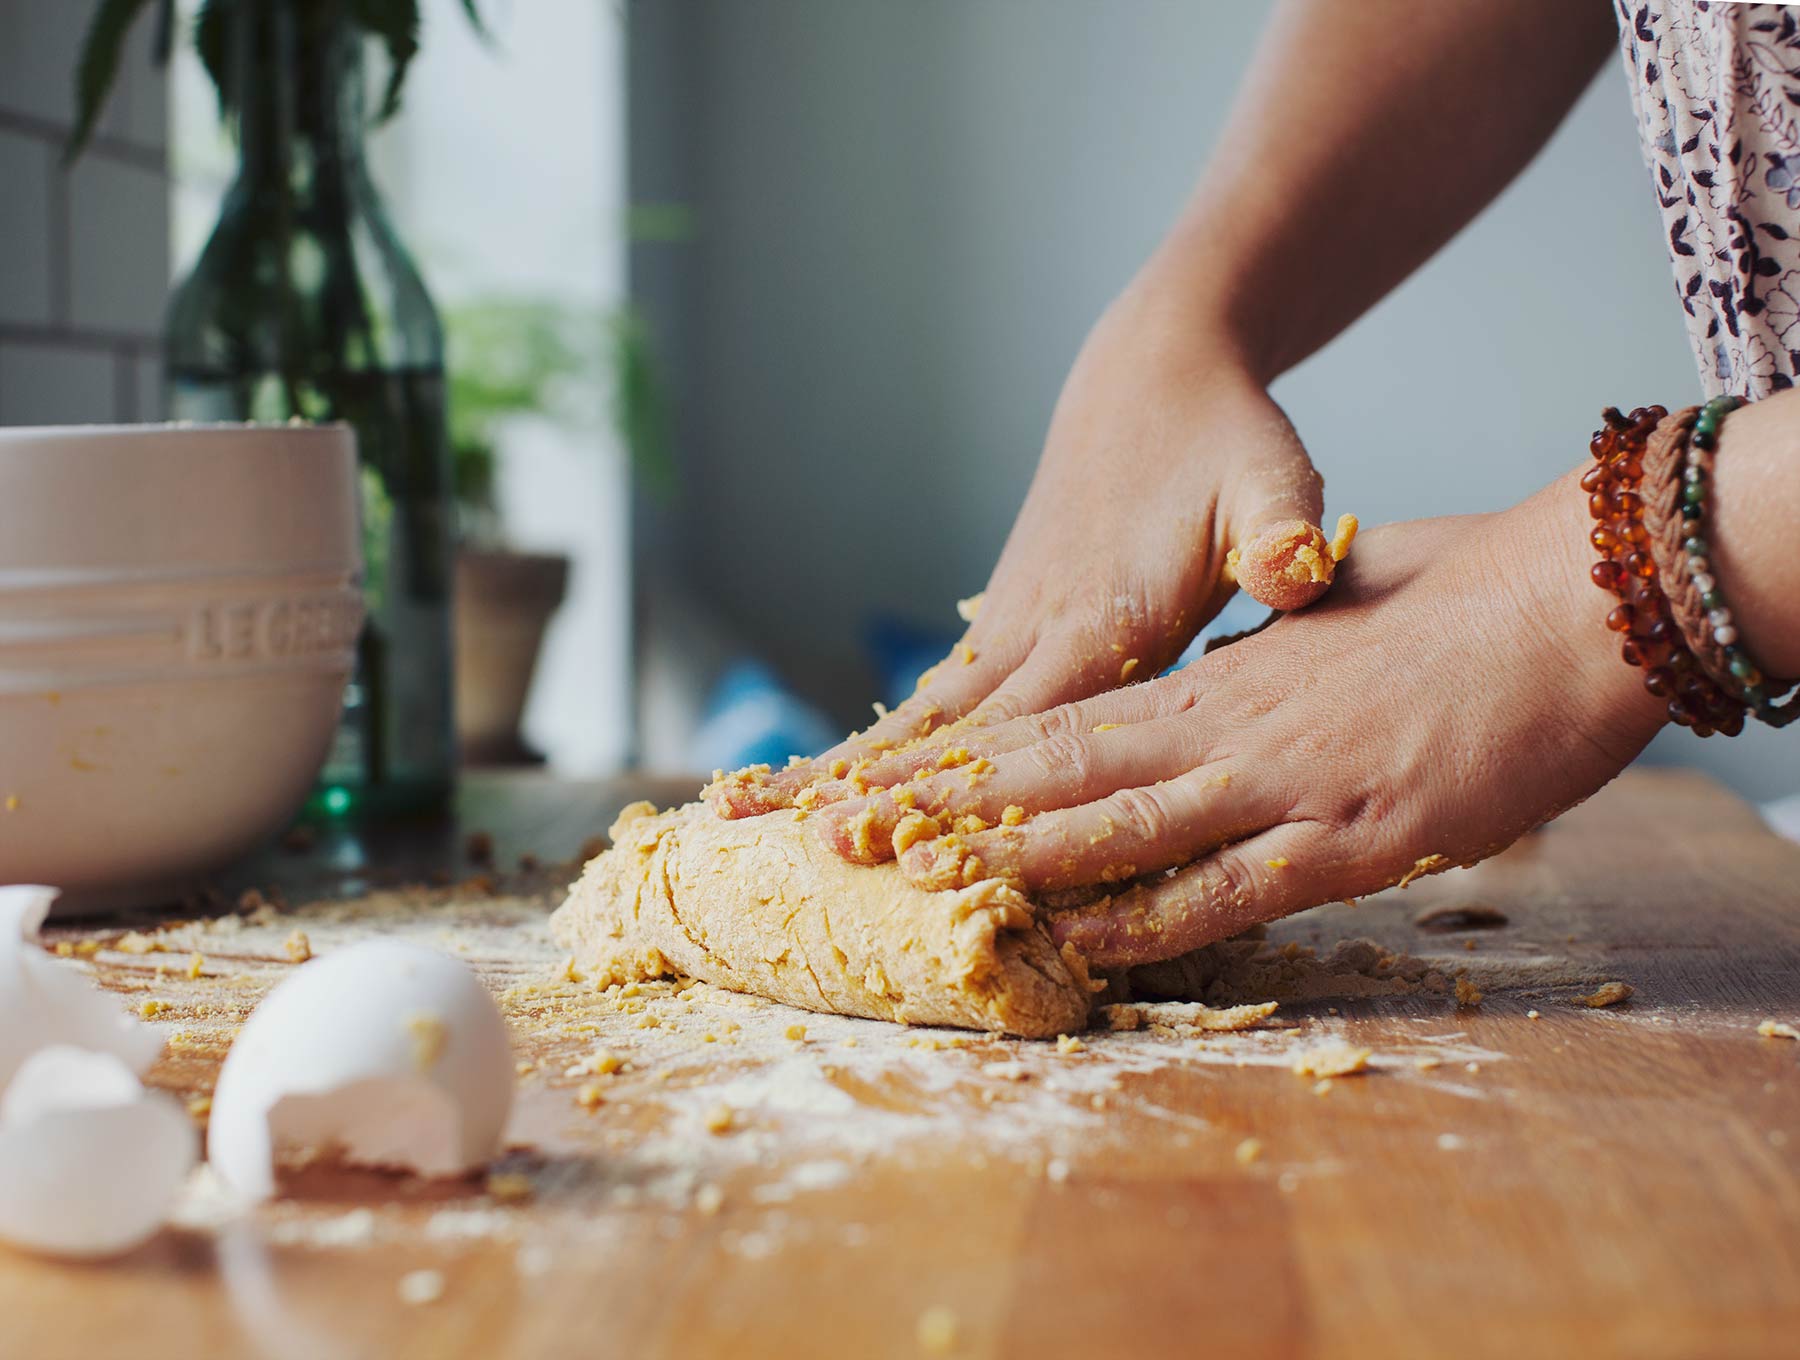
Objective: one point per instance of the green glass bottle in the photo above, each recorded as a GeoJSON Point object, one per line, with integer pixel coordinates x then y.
{"type": "Point", "coordinates": [305, 304]}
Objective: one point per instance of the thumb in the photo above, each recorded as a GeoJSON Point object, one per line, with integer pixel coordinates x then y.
{"type": "Point", "coordinates": [1279, 554]}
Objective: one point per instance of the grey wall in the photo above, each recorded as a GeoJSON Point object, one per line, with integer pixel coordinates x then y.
{"type": "Point", "coordinates": [910, 213]}
{"type": "Point", "coordinates": [84, 252]}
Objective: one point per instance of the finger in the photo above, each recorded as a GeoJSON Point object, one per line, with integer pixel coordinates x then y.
{"type": "Point", "coordinates": [947, 691]}
{"type": "Point", "coordinates": [1116, 708]}
{"type": "Point", "coordinates": [1280, 556]}
{"type": "Point", "coordinates": [972, 793]}
{"type": "Point", "coordinates": [1268, 876]}
{"type": "Point", "coordinates": [1062, 672]}
{"type": "Point", "coordinates": [1137, 828]}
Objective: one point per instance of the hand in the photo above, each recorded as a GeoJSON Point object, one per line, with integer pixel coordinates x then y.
{"type": "Point", "coordinates": [1456, 689]}
{"type": "Point", "coordinates": [1163, 454]}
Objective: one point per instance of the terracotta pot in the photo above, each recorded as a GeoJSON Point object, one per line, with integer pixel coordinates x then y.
{"type": "Point", "coordinates": [504, 601]}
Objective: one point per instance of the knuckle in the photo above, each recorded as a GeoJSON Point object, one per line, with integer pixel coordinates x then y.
{"type": "Point", "coordinates": [1063, 721]}
{"type": "Point", "coordinates": [1061, 758]}
{"type": "Point", "coordinates": [1000, 708]}
{"type": "Point", "coordinates": [1141, 813]}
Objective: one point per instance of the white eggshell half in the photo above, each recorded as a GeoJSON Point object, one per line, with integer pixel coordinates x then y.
{"type": "Point", "coordinates": [90, 1161]}
{"type": "Point", "coordinates": [383, 1053]}
{"type": "Point", "coordinates": [45, 1002]}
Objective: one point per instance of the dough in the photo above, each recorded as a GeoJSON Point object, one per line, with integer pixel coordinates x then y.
{"type": "Point", "coordinates": [759, 905]}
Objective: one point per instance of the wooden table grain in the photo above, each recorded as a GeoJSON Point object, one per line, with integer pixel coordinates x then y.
{"type": "Point", "coordinates": [1601, 1182]}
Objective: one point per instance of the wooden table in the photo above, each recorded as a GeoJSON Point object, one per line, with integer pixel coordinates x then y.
{"type": "Point", "coordinates": [1525, 1177]}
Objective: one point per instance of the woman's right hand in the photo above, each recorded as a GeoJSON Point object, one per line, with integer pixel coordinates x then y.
{"type": "Point", "coordinates": [1164, 453]}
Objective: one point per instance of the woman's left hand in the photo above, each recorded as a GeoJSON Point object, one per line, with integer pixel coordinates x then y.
{"type": "Point", "coordinates": [1454, 690]}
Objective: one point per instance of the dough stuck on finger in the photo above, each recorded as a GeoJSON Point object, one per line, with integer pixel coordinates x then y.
{"type": "Point", "coordinates": [1290, 563]}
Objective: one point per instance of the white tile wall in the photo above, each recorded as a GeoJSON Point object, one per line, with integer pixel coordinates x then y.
{"type": "Point", "coordinates": [57, 385]}
{"type": "Point", "coordinates": [118, 243]}
{"type": "Point", "coordinates": [84, 253]}
{"type": "Point", "coordinates": [24, 230]}
{"type": "Point", "coordinates": [39, 43]}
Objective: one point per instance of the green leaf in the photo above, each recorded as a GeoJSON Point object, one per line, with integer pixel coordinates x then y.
{"type": "Point", "coordinates": [396, 24]}
{"type": "Point", "coordinates": [212, 42]}
{"type": "Point", "coordinates": [98, 67]}
{"type": "Point", "coordinates": [164, 46]}
{"type": "Point", "coordinates": [474, 13]}
{"type": "Point", "coordinates": [641, 405]}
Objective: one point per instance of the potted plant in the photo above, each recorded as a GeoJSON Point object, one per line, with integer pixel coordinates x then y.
{"type": "Point", "coordinates": [509, 359]}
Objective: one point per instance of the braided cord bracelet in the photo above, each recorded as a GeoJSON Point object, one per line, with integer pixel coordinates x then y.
{"type": "Point", "coordinates": [1652, 638]}
{"type": "Point", "coordinates": [1677, 485]}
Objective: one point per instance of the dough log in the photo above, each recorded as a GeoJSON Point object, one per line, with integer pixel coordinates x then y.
{"type": "Point", "coordinates": [758, 905]}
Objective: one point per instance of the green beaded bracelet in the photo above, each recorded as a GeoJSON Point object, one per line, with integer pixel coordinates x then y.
{"type": "Point", "coordinates": [1696, 485]}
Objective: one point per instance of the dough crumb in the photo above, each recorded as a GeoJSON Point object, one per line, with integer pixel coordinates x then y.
{"type": "Point", "coordinates": [937, 1327]}
{"type": "Point", "coordinates": [720, 1119]}
{"type": "Point", "coordinates": [1068, 1043]}
{"type": "Point", "coordinates": [1467, 993]}
{"type": "Point", "coordinates": [1013, 815]}
{"type": "Point", "coordinates": [795, 1032]}
{"type": "Point", "coordinates": [1430, 864]}
{"type": "Point", "coordinates": [1534, 1015]}
{"type": "Point", "coordinates": [196, 967]}
{"type": "Point", "coordinates": [1775, 1029]}
{"type": "Point", "coordinates": [1343, 536]}
{"type": "Point", "coordinates": [590, 1096]}
{"type": "Point", "coordinates": [151, 1009]}
{"type": "Point", "coordinates": [970, 609]}
{"type": "Point", "coordinates": [709, 1199]}
{"type": "Point", "coordinates": [510, 1187]}
{"type": "Point", "coordinates": [1322, 1087]}
{"type": "Point", "coordinates": [429, 1035]}
{"type": "Point", "coordinates": [1248, 1150]}
{"type": "Point", "coordinates": [1280, 863]}
{"type": "Point", "coordinates": [297, 947]}
{"type": "Point", "coordinates": [420, 1287]}
{"type": "Point", "coordinates": [1608, 994]}
{"type": "Point", "coordinates": [1185, 1018]}
{"type": "Point", "coordinates": [1333, 1060]}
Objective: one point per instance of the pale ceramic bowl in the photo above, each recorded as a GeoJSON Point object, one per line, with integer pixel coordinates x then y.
{"type": "Point", "coordinates": [179, 608]}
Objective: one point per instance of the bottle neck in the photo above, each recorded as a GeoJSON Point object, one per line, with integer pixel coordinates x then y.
{"type": "Point", "coordinates": [296, 71]}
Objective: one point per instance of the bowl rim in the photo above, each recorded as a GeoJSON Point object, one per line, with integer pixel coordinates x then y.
{"type": "Point", "coordinates": [203, 429]}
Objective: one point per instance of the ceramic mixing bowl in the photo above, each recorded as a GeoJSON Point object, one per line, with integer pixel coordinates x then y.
{"type": "Point", "coordinates": [179, 609]}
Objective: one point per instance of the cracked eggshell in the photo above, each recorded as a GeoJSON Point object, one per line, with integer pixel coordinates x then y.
{"type": "Point", "coordinates": [384, 1053]}
{"type": "Point", "coordinates": [43, 1001]}
{"type": "Point", "coordinates": [90, 1161]}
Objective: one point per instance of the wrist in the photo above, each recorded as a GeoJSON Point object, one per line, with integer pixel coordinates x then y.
{"type": "Point", "coordinates": [1554, 557]}
{"type": "Point", "coordinates": [1755, 504]}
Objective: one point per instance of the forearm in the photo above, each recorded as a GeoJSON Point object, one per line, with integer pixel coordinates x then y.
{"type": "Point", "coordinates": [1754, 514]}
{"type": "Point", "coordinates": [1364, 137]}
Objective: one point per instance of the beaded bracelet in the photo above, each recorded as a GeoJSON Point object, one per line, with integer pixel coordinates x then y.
{"type": "Point", "coordinates": [1627, 569]}
{"type": "Point", "coordinates": [1677, 481]}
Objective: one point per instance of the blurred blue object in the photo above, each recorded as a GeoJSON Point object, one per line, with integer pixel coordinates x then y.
{"type": "Point", "coordinates": [753, 719]}
{"type": "Point", "coordinates": [901, 652]}
{"type": "Point", "coordinates": [1240, 615]}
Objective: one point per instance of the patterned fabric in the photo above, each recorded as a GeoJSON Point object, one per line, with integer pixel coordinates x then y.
{"type": "Point", "coordinates": [1717, 90]}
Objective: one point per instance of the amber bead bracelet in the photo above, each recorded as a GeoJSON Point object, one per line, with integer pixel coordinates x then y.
{"type": "Point", "coordinates": [1648, 493]}
{"type": "Point", "coordinates": [1651, 638]}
